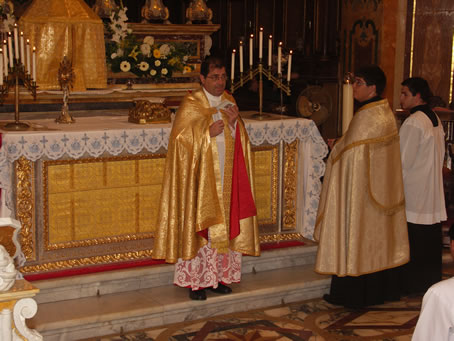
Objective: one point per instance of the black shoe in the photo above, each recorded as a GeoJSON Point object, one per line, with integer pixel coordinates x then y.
{"type": "Point", "coordinates": [328, 298]}
{"type": "Point", "coordinates": [197, 295]}
{"type": "Point", "coordinates": [222, 289]}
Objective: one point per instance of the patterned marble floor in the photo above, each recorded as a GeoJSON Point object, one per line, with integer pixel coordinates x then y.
{"type": "Point", "coordinates": [313, 320]}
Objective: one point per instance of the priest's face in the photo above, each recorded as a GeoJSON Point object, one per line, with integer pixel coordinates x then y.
{"type": "Point", "coordinates": [407, 100]}
{"type": "Point", "coordinates": [215, 81]}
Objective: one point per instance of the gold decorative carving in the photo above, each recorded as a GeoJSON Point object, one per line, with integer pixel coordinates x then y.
{"type": "Point", "coordinates": [6, 239]}
{"type": "Point", "coordinates": [25, 206]}
{"type": "Point", "coordinates": [87, 261]}
{"type": "Point", "coordinates": [267, 191]}
{"type": "Point", "coordinates": [68, 188]}
{"type": "Point", "coordinates": [290, 185]}
{"type": "Point", "coordinates": [279, 237]}
{"type": "Point", "coordinates": [146, 112]}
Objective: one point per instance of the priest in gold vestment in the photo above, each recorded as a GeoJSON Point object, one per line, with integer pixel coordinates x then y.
{"type": "Point", "coordinates": [207, 217]}
{"type": "Point", "coordinates": [361, 222]}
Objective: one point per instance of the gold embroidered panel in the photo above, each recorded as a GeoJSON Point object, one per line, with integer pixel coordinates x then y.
{"type": "Point", "coordinates": [96, 201]}
{"type": "Point", "coordinates": [265, 169]}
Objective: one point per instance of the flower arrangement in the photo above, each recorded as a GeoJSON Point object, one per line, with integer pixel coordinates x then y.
{"type": "Point", "coordinates": [147, 58]}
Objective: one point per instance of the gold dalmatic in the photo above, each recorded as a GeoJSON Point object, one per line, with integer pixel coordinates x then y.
{"type": "Point", "coordinates": [69, 28]}
{"type": "Point", "coordinates": [193, 200]}
{"type": "Point", "coordinates": [361, 224]}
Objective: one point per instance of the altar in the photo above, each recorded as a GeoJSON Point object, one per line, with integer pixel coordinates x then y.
{"type": "Point", "coordinates": [87, 194]}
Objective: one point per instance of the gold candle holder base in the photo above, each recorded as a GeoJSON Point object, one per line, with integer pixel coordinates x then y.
{"type": "Point", "coordinates": [16, 126]}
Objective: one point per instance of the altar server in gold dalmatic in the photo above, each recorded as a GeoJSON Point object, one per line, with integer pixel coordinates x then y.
{"type": "Point", "coordinates": [361, 222]}
{"type": "Point", "coordinates": [207, 217]}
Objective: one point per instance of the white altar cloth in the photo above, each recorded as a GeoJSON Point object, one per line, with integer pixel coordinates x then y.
{"type": "Point", "coordinates": [112, 135]}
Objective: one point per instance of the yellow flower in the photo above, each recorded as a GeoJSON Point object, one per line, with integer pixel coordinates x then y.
{"type": "Point", "coordinates": [187, 69]}
{"type": "Point", "coordinates": [156, 53]}
{"type": "Point", "coordinates": [173, 61]}
{"type": "Point", "coordinates": [134, 53]}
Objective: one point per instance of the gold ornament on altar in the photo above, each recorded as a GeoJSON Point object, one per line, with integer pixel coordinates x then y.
{"type": "Point", "coordinates": [66, 79]}
{"type": "Point", "coordinates": [146, 112]}
{"type": "Point", "coordinates": [155, 10]}
{"type": "Point", "coordinates": [198, 10]}
{"type": "Point", "coordinates": [104, 8]}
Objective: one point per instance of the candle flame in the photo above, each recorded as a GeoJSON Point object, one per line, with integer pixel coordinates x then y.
{"type": "Point", "coordinates": [280, 43]}
{"type": "Point", "coordinates": [34, 48]}
{"type": "Point", "coordinates": [234, 51]}
{"type": "Point", "coordinates": [28, 41]}
{"type": "Point", "coordinates": [271, 37]}
{"type": "Point", "coordinates": [252, 36]}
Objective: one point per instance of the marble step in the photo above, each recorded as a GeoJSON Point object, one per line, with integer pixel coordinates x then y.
{"type": "Point", "coordinates": [105, 314]}
{"type": "Point", "coordinates": [111, 282]}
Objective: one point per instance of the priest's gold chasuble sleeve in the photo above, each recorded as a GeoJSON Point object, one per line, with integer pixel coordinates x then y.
{"type": "Point", "coordinates": [361, 224]}
{"type": "Point", "coordinates": [194, 203]}
{"type": "Point", "coordinates": [69, 28]}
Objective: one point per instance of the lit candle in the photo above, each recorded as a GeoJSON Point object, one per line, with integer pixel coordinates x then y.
{"type": "Point", "coordinates": [232, 71]}
{"type": "Point", "coordinates": [16, 43]}
{"type": "Point", "coordinates": [27, 65]}
{"type": "Point", "coordinates": [261, 43]}
{"type": "Point", "coordinates": [10, 49]}
{"type": "Point", "coordinates": [22, 54]}
{"type": "Point", "coordinates": [279, 58]}
{"type": "Point", "coordinates": [5, 58]}
{"type": "Point", "coordinates": [289, 69]}
{"type": "Point", "coordinates": [34, 64]}
{"type": "Point", "coordinates": [241, 56]}
{"type": "Point", "coordinates": [1, 66]}
{"type": "Point", "coordinates": [347, 105]}
{"type": "Point", "coordinates": [251, 57]}
{"type": "Point", "coordinates": [270, 50]}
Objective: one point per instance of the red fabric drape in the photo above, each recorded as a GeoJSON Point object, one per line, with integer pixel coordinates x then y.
{"type": "Point", "coordinates": [242, 202]}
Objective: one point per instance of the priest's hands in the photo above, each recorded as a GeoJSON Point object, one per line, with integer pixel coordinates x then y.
{"type": "Point", "coordinates": [216, 128]}
{"type": "Point", "coordinates": [232, 113]}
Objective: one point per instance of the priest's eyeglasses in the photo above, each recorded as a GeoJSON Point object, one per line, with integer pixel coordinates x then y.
{"type": "Point", "coordinates": [359, 81]}
{"type": "Point", "coordinates": [217, 77]}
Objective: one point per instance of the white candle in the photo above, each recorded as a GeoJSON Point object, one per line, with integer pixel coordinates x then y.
{"type": "Point", "coordinates": [27, 64]}
{"type": "Point", "coordinates": [347, 106]}
{"type": "Point", "coordinates": [279, 58]}
{"type": "Point", "coordinates": [251, 57]}
{"type": "Point", "coordinates": [5, 58]}
{"type": "Point", "coordinates": [1, 66]}
{"type": "Point", "coordinates": [22, 54]}
{"type": "Point", "coordinates": [261, 43]}
{"type": "Point", "coordinates": [16, 43]}
{"type": "Point", "coordinates": [10, 49]}
{"type": "Point", "coordinates": [270, 50]}
{"type": "Point", "coordinates": [289, 64]}
{"type": "Point", "coordinates": [34, 64]}
{"type": "Point", "coordinates": [232, 72]}
{"type": "Point", "coordinates": [241, 57]}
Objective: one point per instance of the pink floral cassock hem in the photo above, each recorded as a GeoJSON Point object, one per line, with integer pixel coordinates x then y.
{"type": "Point", "coordinates": [208, 268]}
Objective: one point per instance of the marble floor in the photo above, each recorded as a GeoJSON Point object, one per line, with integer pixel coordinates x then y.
{"type": "Point", "coordinates": [312, 320]}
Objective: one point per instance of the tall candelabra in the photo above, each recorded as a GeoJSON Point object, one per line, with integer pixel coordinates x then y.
{"type": "Point", "coordinates": [16, 65]}
{"type": "Point", "coordinates": [260, 71]}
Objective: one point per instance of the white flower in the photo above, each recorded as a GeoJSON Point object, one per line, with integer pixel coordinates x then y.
{"type": "Point", "coordinates": [125, 66]}
{"type": "Point", "coordinates": [165, 50]}
{"type": "Point", "coordinates": [185, 58]}
{"type": "Point", "coordinates": [113, 55]}
{"type": "Point", "coordinates": [164, 71]}
{"type": "Point", "coordinates": [148, 40]}
{"type": "Point", "coordinates": [145, 49]}
{"type": "Point", "coordinates": [153, 72]}
{"type": "Point", "coordinates": [143, 66]}
{"type": "Point", "coordinates": [120, 52]}
{"type": "Point", "coordinates": [157, 62]}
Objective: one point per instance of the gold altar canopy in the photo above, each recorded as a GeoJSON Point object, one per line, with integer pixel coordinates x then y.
{"type": "Point", "coordinates": [66, 27]}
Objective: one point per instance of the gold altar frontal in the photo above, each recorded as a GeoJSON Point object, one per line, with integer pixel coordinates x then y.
{"type": "Point", "coordinates": [98, 211]}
